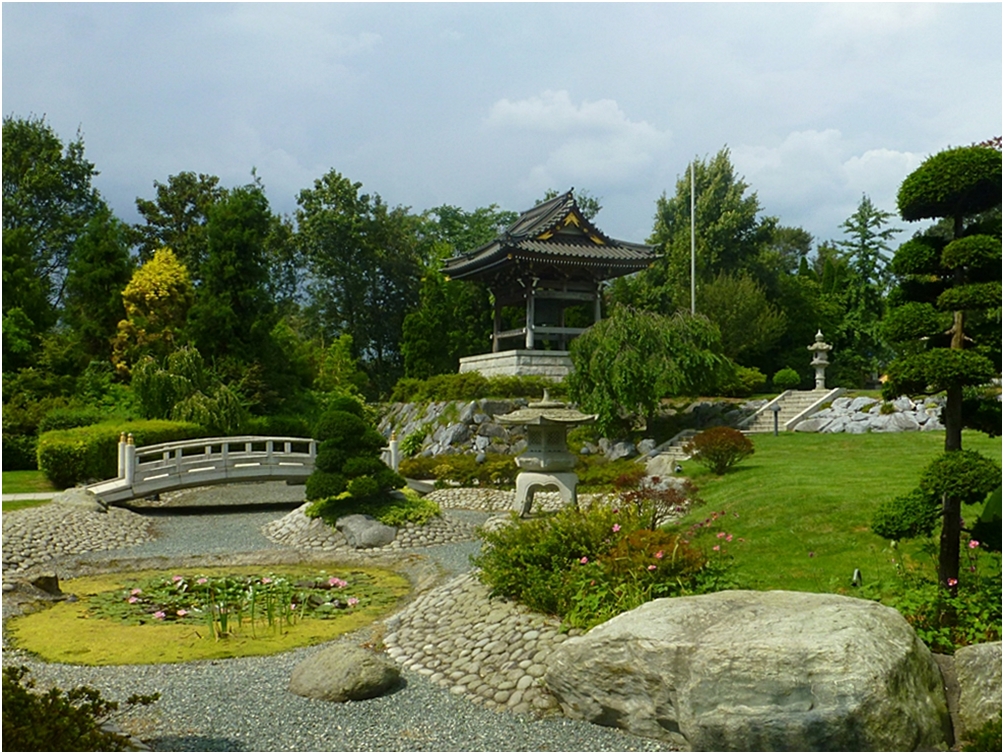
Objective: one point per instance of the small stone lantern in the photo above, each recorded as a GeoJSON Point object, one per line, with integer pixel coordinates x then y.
{"type": "Point", "coordinates": [547, 461]}
{"type": "Point", "coordinates": [819, 361]}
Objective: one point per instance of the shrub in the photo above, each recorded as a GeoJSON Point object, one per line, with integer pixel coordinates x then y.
{"type": "Point", "coordinates": [348, 456]}
{"type": "Point", "coordinates": [395, 509]}
{"type": "Point", "coordinates": [588, 565]}
{"type": "Point", "coordinates": [468, 386]}
{"type": "Point", "coordinates": [71, 456]}
{"type": "Point", "coordinates": [786, 379]}
{"type": "Point", "coordinates": [987, 529]}
{"type": "Point", "coordinates": [280, 426]}
{"type": "Point", "coordinates": [412, 443]}
{"type": "Point", "coordinates": [597, 474]}
{"type": "Point", "coordinates": [19, 452]}
{"type": "Point", "coordinates": [985, 738]}
{"type": "Point", "coordinates": [68, 418]}
{"type": "Point", "coordinates": [914, 514]}
{"type": "Point", "coordinates": [719, 448]}
{"type": "Point", "coordinates": [58, 720]}
{"type": "Point", "coordinates": [745, 382]}
{"type": "Point", "coordinates": [497, 470]}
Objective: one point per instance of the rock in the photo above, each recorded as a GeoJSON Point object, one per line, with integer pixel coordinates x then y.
{"type": "Point", "coordinates": [480, 457]}
{"type": "Point", "coordinates": [978, 668]}
{"type": "Point", "coordinates": [81, 498]}
{"type": "Point", "coordinates": [812, 425]}
{"type": "Point", "coordinates": [362, 530]}
{"type": "Point", "coordinates": [621, 450]}
{"type": "Point", "coordinates": [902, 422]}
{"type": "Point", "coordinates": [742, 671]}
{"type": "Point", "coordinates": [344, 672]}
{"type": "Point", "coordinates": [646, 446]}
{"type": "Point", "coordinates": [861, 402]}
{"type": "Point", "coordinates": [48, 583]}
{"type": "Point", "coordinates": [903, 403]}
{"type": "Point", "coordinates": [662, 466]}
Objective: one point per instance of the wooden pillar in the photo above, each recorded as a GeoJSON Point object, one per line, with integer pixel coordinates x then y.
{"type": "Point", "coordinates": [497, 325]}
{"type": "Point", "coordinates": [598, 304]}
{"type": "Point", "coordinates": [529, 318]}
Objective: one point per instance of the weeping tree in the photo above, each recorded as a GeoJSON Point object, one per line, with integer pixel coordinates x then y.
{"type": "Point", "coordinates": [625, 364]}
{"type": "Point", "coordinates": [945, 320]}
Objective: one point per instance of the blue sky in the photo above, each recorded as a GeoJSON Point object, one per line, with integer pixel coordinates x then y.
{"type": "Point", "coordinates": [473, 104]}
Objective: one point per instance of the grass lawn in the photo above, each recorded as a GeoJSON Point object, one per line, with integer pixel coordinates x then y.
{"type": "Point", "coordinates": [805, 501]}
{"type": "Point", "coordinates": [18, 482]}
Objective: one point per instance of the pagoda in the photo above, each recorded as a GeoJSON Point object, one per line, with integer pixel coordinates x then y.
{"type": "Point", "coordinates": [551, 263]}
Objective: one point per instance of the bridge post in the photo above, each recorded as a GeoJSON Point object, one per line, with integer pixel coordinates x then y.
{"type": "Point", "coordinates": [130, 459]}
{"type": "Point", "coordinates": [120, 473]}
{"type": "Point", "coordinates": [395, 457]}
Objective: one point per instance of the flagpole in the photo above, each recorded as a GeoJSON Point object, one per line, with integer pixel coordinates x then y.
{"type": "Point", "coordinates": [693, 253]}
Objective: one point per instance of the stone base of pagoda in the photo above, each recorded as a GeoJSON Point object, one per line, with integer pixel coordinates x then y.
{"type": "Point", "coordinates": [554, 365]}
{"type": "Point", "coordinates": [529, 482]}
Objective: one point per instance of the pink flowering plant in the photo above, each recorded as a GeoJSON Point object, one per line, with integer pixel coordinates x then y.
{"type": "Point", "coordinates": [588, 565]}
{"type": "Point", "coordinates": [232, 605]}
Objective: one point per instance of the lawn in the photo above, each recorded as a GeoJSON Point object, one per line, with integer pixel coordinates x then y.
{"type": "Point", "coordinates": [20, 482]}
{"type": "Point", "coordinates": [802, 505]}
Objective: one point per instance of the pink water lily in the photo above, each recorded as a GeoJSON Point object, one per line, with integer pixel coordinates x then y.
{"type": "Point", "coordinates": [583, 560]}
{"type": "Point", "coordinates": [651, 568]}
{"type": "Point", "coordinates": [659, 555]}
{"type": "Point", "coordinates": [973, 544]}
{"type": "Point", "coordinates": [133, 600]}
{"type": "Point", "coordinates": [352, 601]}
{"type": "Point", "coordinates": [176, 579]}
{"type": "Point", "coordinates": [136, 591]}
{"type": "Point", "coordinates": [716, 548]}
{"type": "Point", "coordinates": [182, 613]}
{"type": "Point", "coordinates": [160, 615]}
{"type": "Point", "coordinates": [203, 580]}
{"type": "Point", "coordinates": [266, 580]}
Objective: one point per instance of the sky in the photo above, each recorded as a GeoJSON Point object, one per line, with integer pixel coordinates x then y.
{"type": "Point", "coordinates": [471, 104]}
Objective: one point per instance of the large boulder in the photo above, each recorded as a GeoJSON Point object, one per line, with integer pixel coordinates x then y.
{"type": "Point", "coordinates": [344, 672]}
{"type": "Point", "coordinates": [362, 530]}
{"type": "Point", "coordinates": [742, 671]}
{"type": "Point", "coordinates": [978, 669]}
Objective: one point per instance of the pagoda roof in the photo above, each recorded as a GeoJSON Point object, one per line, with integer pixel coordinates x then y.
{"type": "Point", "coordinates": [556, 233]}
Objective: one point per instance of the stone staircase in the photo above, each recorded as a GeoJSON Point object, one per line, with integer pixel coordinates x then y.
{"type": "Point", "coordinates": [796, 405]}
{"type": "Point", "coordinates": [671, 449]}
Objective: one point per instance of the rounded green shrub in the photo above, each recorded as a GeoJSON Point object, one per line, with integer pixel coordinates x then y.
{"type": "Point", "coordinates": [347, 404]}
{"type": "Point", "coordinates": [786, 379]}
{"type": "Point", "coordinates": [363, 486]}
{"type": "Point", "coordinates": [68, 418]}
{"type": "Point", "coordinates": [915, 514]}
{"type": "Point", "coordinates": [362, 465]}
{"type": "Point", "coordinates": [340, 427]}
{"type": "Point", "coordinates": [330, 457]}
{"type": "Point", "coordinates": [322, 484]}
{"type": "Point", "coordinates": [19, 452]}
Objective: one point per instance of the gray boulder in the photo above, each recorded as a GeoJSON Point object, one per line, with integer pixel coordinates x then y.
{"type": "Point", "coordinates": [81, 497]}
{"type": "Point", "coordinates": [362, 530]}
{"type": "Point", "coordinates": [978, 668]}
{"type": "Point", "coordinates": [344, 672]}
{"type": "Point", "coordinates": [620, 450]}
{"type": "Point", "coordinates": [741, 671]}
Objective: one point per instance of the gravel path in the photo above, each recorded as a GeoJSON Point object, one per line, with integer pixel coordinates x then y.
{"type": "Point", "coordinates": [243, 704]}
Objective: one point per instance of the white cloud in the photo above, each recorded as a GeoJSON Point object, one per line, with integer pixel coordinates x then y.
{"type": "Point", "coordinates": [816, 178]}
{"type": "Point", "coordinates": [593, 144]}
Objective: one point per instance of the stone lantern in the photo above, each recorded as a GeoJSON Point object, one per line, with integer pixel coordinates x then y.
{"type": "Point", "coordinates": [819, 350]}
{"type": "Point", "coordinates": [547, 461]}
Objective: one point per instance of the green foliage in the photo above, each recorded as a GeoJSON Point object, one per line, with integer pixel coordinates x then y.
{"type": "Point", "coordinates": [719, 448]}
{"type": "Point", "coordinates": [20, 452]}
{"type": "Point", "coordinates": [914, 514]}
{"type": "Point", "coordinates": [497, 470]}
{"type": "Point", "coordinates": [412, 443]}
{"type": "Point", "coordinates": [395, 509]}
{"type": "Point", "coordinates": [68, 418]}
{"type": "Point", "coordinates": [985, 738]}
{"type": "Point", "coordinates": [963, 475]}
{"type": "Point", "coordinates": [177, 218]}
{"type": "Point", "coordinates": [626, 364]}
{"type": "Point", "coordinates": [348, 457]}
{"type": "Point", "coordinates": [339, 369]}
{"type": "Point", "coordinates": [597, 474]}
{"type": "Point", "coordinates": [71, 456]}
{"type": "Point", "coordinates": [57, 720]}
{"type": "Point", "coordinates": [946, 619]}
{"type": "Point", "coordinates": [786, 379]}
{"type": "Point", "coordinates": [977, 252]}
{"type": "Point", "coordinates": [364, 263]}
{"type": "Point", "coordinates": [955, 182]}
{"type": "Point", "coordinates": [586, 566]}
{"type": "Point", "coordinates": [749, 324]}
{"type": "Point", "coordinates": [747, 380]}
{"type": "Point", "coordinates": [468, 386]}
{"type": "Point", "coordinates": [987, 529]}
{"type": "Point", "coordinates": [279, 425]}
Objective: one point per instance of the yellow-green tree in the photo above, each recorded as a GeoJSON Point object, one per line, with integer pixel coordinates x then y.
{"type": "Point", "coordinates": [156, 300]}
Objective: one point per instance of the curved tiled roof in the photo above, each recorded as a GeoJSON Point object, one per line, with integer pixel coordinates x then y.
{"type": "Point", "coordinates": [554, 232]}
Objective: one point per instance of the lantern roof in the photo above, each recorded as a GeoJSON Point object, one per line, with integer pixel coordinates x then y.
{"type": "Point", "coordinates": [546, 411]}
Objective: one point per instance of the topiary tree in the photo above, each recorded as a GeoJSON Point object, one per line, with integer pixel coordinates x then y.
{"type": "Point", "coordinates": [945, 313]}
{"type": "Point", "coordinates": [348, 456]}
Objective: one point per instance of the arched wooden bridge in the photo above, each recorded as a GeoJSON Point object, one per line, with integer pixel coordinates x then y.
{"type": "Point", "coordinates": [211, 460]}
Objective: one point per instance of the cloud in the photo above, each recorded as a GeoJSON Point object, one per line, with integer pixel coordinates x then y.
{"type": "Point", "coordinates": [816, 178]}
{"type": "Point", "coordinates": [591, 144]}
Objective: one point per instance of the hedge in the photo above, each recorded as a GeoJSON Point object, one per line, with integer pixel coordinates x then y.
{"type": "Point", "coordinates": [72, 456]}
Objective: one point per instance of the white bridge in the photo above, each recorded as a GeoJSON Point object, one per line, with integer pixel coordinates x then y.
{"type": "Point", "coordinates": [204, 461]}
{"type": "Point", "coordinates": [212, 460]}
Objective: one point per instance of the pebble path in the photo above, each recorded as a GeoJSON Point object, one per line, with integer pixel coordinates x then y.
{"type": "Point", "coordinates": [492, 651]}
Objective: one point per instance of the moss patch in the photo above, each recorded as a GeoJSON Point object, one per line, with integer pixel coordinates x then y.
{"type": "Point", "coordinates": [67, 632]}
